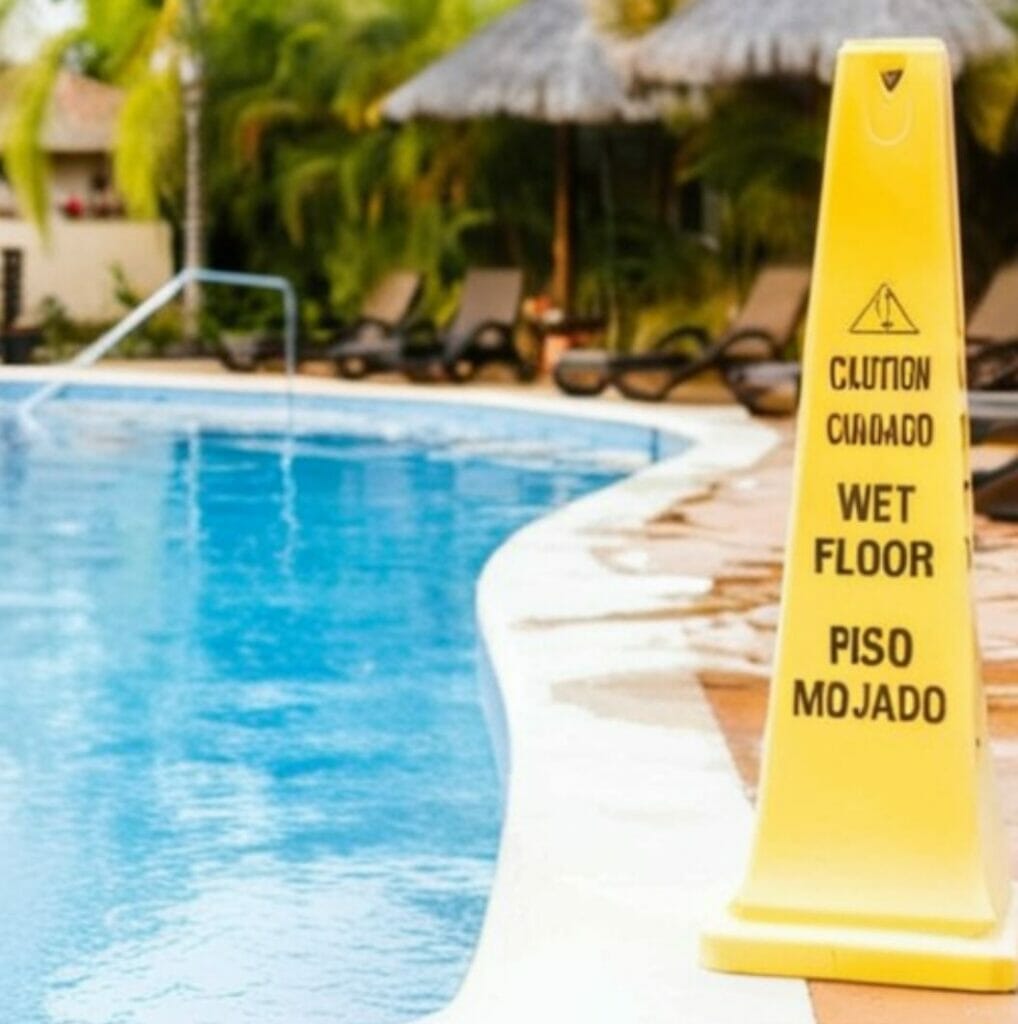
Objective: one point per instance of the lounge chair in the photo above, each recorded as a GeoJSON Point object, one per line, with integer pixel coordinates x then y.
{"type": "Point", "coordinates": [995, 491]}
{"type": "Point", "coordinates": [482, 332]}
{"type": "Point", "coordinates": [766, 388]}
{"type": "Point", "coordinates": [993, 414]}
{"type": "Point", "coordinates": [384, 308]}
{"type": "Point", "coordinates": [374, 339]}
{"type": "Point", "coordinates": [764, 326]}
{"type": "Point", "coordinates": [992, 341]}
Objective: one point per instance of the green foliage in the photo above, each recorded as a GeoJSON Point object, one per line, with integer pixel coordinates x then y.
{"type": "Point", "coordinates": [305, 179]}
{"type": "Point", "coordinates": [761, 151]}
{"type": "Point", "coordinates": [126, 41]}
{"type": "Point", "coordinates": [989, 96]}
{"type": "Point", "coordinates": [58, 332]}
{"type": "Point", "coordinates": [638, 260]}
{"type": "Point", "coordinates": [988, 164]}
{"type": "Point", "coordinates": [147, 163]}
{"type": "Point", "coordinates": [989, 101]}
{"type": "Point", "coordinates": [132, 43]}
{"type": "Point", "coordinates": [24, 160]}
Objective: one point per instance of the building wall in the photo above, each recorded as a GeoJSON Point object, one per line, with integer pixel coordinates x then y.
{"type": "Point", "coordinates": [77, 174]}
{"type": "Point", "coordinates": [85, 178]}
{"type": "Point", "coordinates": [75, 264]}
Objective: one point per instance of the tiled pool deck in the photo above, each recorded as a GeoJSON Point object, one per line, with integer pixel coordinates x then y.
{"type": "Point", "coordinates": [631, 635]}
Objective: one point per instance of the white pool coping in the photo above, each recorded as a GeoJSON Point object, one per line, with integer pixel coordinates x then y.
{"type": "Point", "coordinates": [621, 834]}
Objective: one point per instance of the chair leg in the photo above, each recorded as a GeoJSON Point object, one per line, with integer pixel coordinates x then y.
{"type": "Point", "coordinates": [655, 391]}
{"type": "Point", "coordinates": [352, 367]}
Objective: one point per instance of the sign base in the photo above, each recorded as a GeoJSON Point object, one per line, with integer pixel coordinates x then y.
{"type": "Point", "coordinates": [986, 963]}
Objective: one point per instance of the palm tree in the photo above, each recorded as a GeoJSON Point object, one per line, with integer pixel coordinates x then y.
{"type": "Point", "coordinates": [154, 51]}
{"type": "Point", "coordinates": [350, 194]}
{"type": "Point", "coordinates": [271, 111]}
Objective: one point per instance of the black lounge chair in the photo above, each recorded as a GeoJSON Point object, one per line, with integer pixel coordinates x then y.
{"type": "Point", "coordinates": [991, 350]}
{"type": "Point", "coordinates": [265, 348]}
{"type": "Point", "coordinates": [993, 414]}
{"type": "Point", "coordinates": [764, 326]}
{"type": "Point", "coordinates": [384, 308]}
{"type": "Point", "coordinates": [482, 332]}
{"type": "Point", "coordinates": [374, 340]}
{"type": "Point", "coordinates": [766, 388]}
{"type": "Point", "coordinates": [995, 491]}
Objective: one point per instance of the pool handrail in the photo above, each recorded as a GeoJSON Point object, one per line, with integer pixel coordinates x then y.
{"type": "Point", "coordinates": [159, 298]}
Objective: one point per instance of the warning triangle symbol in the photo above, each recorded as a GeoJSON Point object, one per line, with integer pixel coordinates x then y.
{"type": "Point", "coordinates": [891, 78]}
{"type": "Point", "coordinates": [884, 314]}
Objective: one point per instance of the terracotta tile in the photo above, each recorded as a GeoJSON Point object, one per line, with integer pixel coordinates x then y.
{"type": "Point", "coordinates": [838, 1003]}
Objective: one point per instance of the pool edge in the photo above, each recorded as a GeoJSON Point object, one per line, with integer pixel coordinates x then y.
{"type": "Point", "coordinates": [620, 836]}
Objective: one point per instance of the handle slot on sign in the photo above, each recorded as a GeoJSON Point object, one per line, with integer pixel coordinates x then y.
{"type": "Point", "coordinates": [891, 78]}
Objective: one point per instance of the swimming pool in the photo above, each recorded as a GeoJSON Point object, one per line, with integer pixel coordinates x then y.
{"type": "Point", "coordinates": [244, 774]}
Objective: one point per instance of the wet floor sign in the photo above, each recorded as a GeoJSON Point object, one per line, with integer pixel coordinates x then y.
{"type": "Point", "coordinates": [879, 854]}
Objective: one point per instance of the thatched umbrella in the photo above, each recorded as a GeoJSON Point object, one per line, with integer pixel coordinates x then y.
{"type": "Point", "coordinates": [713, 41]}
{"type": "Point", "coordinates": [542, 61]}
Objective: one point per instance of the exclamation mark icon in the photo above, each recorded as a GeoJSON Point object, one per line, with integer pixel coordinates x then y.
{"type": "Point", "coordinates": [885, 308]}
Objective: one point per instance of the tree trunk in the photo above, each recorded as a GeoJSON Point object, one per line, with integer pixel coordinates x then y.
{"type": "Point", "coordinates": [562, 243]}
{"type": "Point", "coordinates": [194, 214]}
{"type": "Point", "coordinates": [192, 78]}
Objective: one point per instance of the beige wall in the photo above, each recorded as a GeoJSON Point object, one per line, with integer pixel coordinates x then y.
{"type": "Point", "coordinates": [75, 263]}
{"type": "Point", "coordinates": [74, 174]}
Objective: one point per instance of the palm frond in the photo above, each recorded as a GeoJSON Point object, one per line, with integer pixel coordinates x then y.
{"type": "Point", "coordinates": [23, 154]}
{"type": "Point", "coordinates": [303, 182]}
{"type": "Point", "coordinates": [257, 118]}
{"type": "Point", "coordinates": [148, 144]}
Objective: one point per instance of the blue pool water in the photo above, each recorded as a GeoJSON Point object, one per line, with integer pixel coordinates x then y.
{"type": "Point", "coordinates": [244, 772]}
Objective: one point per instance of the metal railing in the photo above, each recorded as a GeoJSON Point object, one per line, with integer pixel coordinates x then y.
{"type": "Point", "coordinates": [164, 295]}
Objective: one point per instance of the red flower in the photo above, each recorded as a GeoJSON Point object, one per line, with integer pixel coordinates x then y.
{"type": "Point", "coordinates": [72, 206]}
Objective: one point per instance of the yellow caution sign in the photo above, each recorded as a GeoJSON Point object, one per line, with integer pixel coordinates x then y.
{"type": "Point", "coordinates": [879, 854]}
